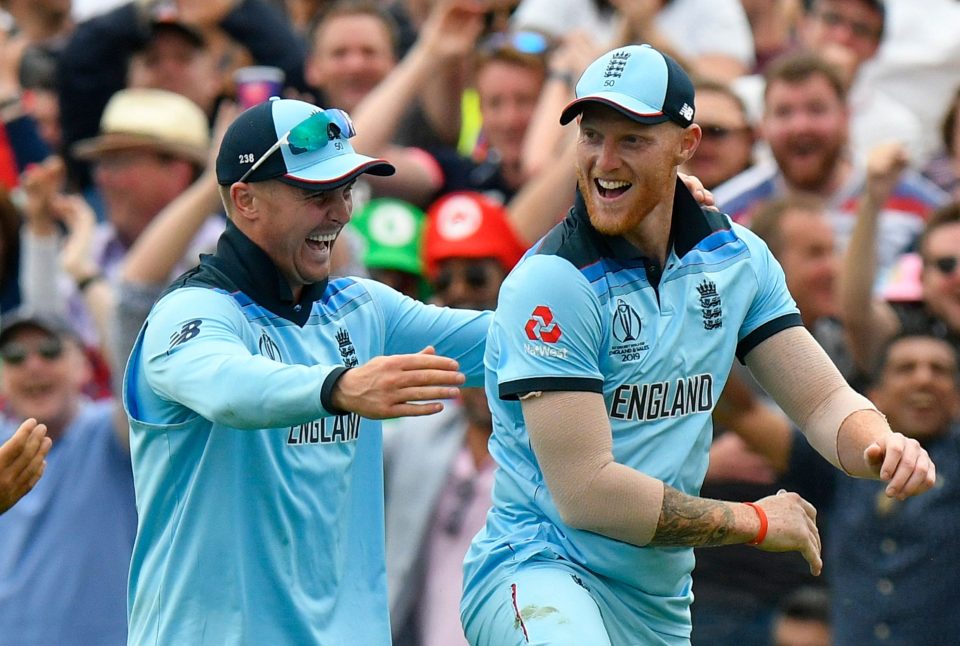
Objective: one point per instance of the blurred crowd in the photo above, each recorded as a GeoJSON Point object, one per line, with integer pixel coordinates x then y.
{"type": "Point", "coordinates": [830, 128]}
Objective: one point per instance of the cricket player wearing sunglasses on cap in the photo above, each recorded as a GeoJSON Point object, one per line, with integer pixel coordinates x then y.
{"type": "Point", "coordinates": [254, 393]}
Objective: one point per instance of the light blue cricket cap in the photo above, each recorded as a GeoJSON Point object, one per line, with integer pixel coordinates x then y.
{"type": "Point", "coordinates": [638, 81]}
{"type": "Point", "coordinates": [258, 128]}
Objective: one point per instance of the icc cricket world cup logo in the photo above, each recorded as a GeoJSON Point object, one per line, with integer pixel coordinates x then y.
{"type": "Point", "coordinates": [626, 323]}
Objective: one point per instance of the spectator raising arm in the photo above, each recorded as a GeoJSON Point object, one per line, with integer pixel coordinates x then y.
{"type": "Point", "coordinates": [152, 259]}
{"type": "Point", "coordinates": [448, 35]}
{"type": "Point", "coordinates": [869, 321]}
{"type": "Point", "coordinates": [545, 137]}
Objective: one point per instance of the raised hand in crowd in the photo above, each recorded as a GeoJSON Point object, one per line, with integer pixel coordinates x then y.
{"type": "Point", "coordinates": [200, 13]}
{"type": "Point", "coordinates": [545, 137]}
{"type": "Point", "coordinates": [885, 165]}
{"type": "Point", "coordinates": [452, 28]}
{"type": "Point", "coordinates": [80, 222]}
{"type": "Point", "coordinates": [638, 24]}
{"type": "Point", "coordinates": [869, 322]}
{"type": "Point", "coordinates": [47, 212]}
{"type": "Point", "coordinates": [76, 260]}
{"type": "Point", "coordinates": [638, 20]}
{"type": "Point", "coordinates": [22, 462]}
{"type": "Point", "coordinates": [451, 31]}
{"type": "Point", "coordinates": [41, 183]}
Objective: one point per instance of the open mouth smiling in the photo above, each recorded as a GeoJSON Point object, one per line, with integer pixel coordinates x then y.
{"type": "Point", "coordinates": [611, 188]}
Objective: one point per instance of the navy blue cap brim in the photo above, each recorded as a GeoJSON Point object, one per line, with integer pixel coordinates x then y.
{"type": "Point", "coordinates": [337, 172]}
{"type": "Point", "coordinates": [649, 116]}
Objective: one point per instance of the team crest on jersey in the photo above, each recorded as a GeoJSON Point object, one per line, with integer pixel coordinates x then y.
{"type": "Point", "coordinates": [269, 348]}
{"type": "Point", "coordinates": [710, 305]}
{"type": "Point", "coordinates": [625, 328]}
{"type": "Point", "coordinates": [347, 352]}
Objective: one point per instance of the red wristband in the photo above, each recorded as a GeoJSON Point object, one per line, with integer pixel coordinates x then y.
{"type": "Point", "coordinates": [762, 534]}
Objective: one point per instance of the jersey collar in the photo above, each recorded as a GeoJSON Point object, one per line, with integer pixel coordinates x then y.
{"type": "Point", "coordinates": [251, 270]}
{"type": "Point", "coordinates": [689, 225]}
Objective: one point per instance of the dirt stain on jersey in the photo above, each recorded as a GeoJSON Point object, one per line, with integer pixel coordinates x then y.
{"type": "Point", "coordinates": [528, 613]}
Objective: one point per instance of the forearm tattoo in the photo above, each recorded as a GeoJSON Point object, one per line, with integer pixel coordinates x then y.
{"type": "Point", "coordinates": [687, 521]}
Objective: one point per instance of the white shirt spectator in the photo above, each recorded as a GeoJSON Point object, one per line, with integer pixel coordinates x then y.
{"type": "Point", "coordinates": [694, 27]}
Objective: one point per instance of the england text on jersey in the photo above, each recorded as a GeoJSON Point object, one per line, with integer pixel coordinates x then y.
{"type": "Point", "coordinates": [342, 428]}
{"type": "Point", "coordinates": [683, 396]}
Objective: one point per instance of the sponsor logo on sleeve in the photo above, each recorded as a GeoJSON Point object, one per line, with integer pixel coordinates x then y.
{"type": "Point", "coordinates": [542, 327]}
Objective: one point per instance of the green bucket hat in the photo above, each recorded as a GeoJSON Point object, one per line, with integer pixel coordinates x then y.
{"type": "Point", "coordinates": [392, 231]}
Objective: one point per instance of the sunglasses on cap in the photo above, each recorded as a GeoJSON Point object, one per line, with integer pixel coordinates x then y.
{"type": "Point", "coordinates": [311, 134]}
{"type": "Point", "coordinates": [946, 265]}
{"type": "Point", "coordinates": [14, 353]}
{"type": "Point", "coordinates": [524, 42]}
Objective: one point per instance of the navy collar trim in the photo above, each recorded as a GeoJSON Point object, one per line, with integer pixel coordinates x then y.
{"type": "Point", "coordinates": [688, 227]}
{"type": "Point", "coordinates": [252, 271]}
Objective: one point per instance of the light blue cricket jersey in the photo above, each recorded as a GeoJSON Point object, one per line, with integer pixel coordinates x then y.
{"type": "Point", "coordinates": [584, 312]}
{"type": "Point", "coordinates": [261, 511]}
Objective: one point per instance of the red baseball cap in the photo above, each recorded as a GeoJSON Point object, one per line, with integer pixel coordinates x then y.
{"type": "Point", "coordinates": [467, 224]}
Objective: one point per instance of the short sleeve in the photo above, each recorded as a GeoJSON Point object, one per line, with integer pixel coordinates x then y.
{"type": "Point", "coordinates": [547, 330]}
{"type": "Point", "coordinates": [773, 308]}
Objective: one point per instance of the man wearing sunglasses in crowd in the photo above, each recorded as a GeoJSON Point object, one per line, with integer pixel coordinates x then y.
{"type": "Point", "coordinates": [254, 393]}
{"type": "Point", "coordinates": [872, 322]}
{"type": "Point", "coordinates": [726, 147]}
{"type": "Point", "coordinates": [64, 549]}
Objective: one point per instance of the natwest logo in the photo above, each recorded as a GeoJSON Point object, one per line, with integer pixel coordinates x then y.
{"type": "Point", "coordinates": [541, 327]}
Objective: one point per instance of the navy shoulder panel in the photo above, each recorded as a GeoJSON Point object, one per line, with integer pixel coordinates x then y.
{"type": "Point", "coordinates": [203, 275]}
{"type": "Point", "coordinates": [572, 241]}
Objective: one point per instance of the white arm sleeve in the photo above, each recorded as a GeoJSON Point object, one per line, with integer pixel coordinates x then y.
{"type": "Point", "coordinates": [799, 375]}
{"type": "Point", "coordinates": [571, 437]}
